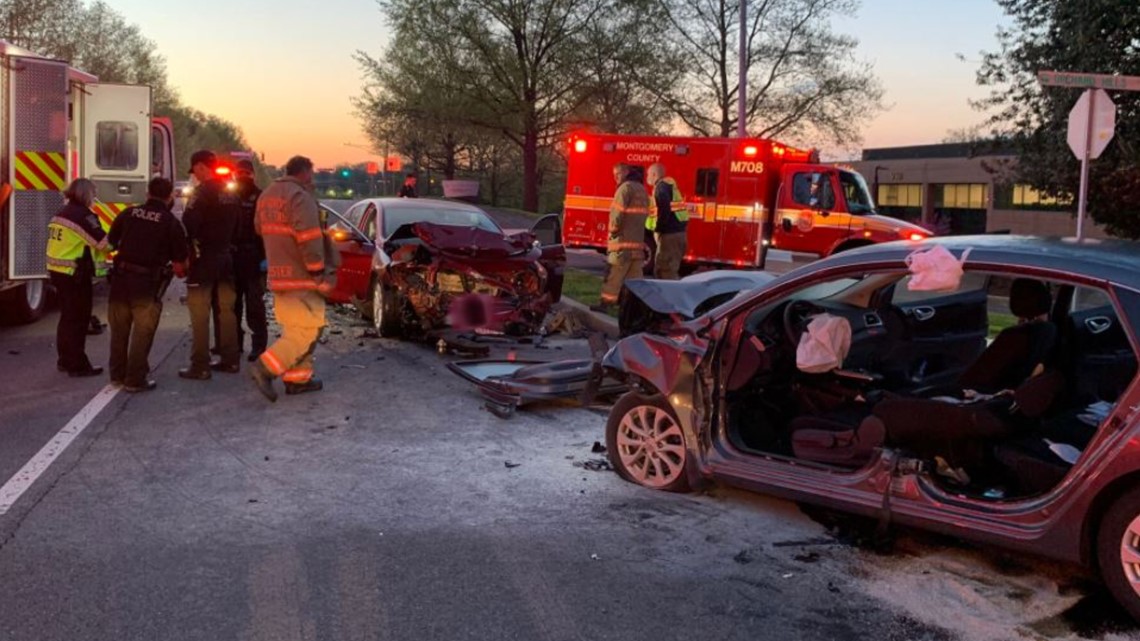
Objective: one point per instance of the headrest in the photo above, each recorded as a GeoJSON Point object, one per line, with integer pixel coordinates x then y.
{"type": "Point", "coordinates": [1029, 298]}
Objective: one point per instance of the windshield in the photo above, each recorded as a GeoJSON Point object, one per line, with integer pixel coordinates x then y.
{"type": "Point", "coordinates": [397, 216]}
{"type": "Point", "coordinates": [855, 191]}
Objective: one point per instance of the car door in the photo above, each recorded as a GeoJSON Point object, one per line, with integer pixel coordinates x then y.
{"type": "Point", "coordinates": [548, 232]}
{"type": "Point", "coordinates": [353, 275]}
{"type": "Point", "coordinates": [935, 335]}
{"type": "Point", "coordinates": [1101, 352]}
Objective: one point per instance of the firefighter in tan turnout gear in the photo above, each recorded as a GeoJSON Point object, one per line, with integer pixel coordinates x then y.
{"type": "Point", "coordinates": [626, 248]}
{"type": "Point", "coordinates": [300, 272]}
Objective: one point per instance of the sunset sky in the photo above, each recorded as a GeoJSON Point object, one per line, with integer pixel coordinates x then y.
{"type": "Point", "coordinates": [283, 69]}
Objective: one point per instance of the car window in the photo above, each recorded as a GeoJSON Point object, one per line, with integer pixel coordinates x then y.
{"type": "Point", "coordinates": [813, 190]}
{"type": "Point", "coordinates": [355, 213]}
{"type": "Point", "coordinates": [971, 282]}
{"type": "Point", "coordinates": [1086, 298]}
{"type": "Point", "coordinates": [396, 216]}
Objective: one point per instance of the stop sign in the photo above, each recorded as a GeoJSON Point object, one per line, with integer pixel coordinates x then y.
{"type": "Point", "coordinates": [1094, 104]}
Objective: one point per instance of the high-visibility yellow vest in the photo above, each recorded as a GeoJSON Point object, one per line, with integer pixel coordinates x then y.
{"type": "Point", "coordinates": [678, 206]}
{"type": "Point", "coordinates": [66, 244]}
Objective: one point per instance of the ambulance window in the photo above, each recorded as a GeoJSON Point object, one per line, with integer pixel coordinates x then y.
{"type": "Point", "coordinates": [117, 146]}
{"type": "Point", "coordinates": [706, 181]}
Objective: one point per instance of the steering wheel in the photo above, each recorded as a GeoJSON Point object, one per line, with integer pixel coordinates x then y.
{"type": "Point", "coordinates": [796, 315]}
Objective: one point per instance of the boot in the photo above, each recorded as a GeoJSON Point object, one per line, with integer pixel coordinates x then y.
{"type": "Point", "coordinates": [312, 385]}
{"type": "Point", "coordinates": [264, 381]}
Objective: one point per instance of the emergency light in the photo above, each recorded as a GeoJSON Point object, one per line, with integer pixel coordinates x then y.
{"type": "Point", "coordinates": [579, 146]}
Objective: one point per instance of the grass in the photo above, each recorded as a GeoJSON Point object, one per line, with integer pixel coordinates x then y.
{"type": "Point", "coordinates": [582, 286]}
{"type": "Point", "coordinates": [1000, 321]}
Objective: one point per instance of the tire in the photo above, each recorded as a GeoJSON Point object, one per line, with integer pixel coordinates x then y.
{"type": "Point", "coordinates": [665, 465]}
{"type": "Point", "coordinates": [24, 304]}
{"type": "Point", "coordinates": [386, 311]}
{"type": "Point", "coordinates": [1118, 551]}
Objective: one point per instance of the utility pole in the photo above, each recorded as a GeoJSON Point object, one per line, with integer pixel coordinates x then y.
{"type": "Point", "coordinates": [742, 91]}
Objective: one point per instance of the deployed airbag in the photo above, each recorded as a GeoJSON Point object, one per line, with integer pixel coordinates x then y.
{"type": "Point", "coordinates": [824, 344]}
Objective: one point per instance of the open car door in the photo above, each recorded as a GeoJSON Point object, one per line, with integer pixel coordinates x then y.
{"type": "Point", "coordinates": [548, 232]}
{"type": "Point", "coordinates": [355, 270]}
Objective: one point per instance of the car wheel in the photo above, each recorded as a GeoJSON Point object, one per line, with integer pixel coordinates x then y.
{"type": "Point", "coordinates": [1118, 551]}
{"type": "Point", "coordinates": [645, 443]}
{"type": "Point", "coordinates": [385, 311]}
{"type": "Point", "coordinates": [25, 303]}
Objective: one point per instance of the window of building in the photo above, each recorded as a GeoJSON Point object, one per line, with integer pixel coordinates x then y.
{"type": "Point", "coordinates": [117, 146]}
{"type": "Point", "coordinates": [960, 196]}
{"type": "Point", "coordinates": [707, 181]}
{"type": "Point", "coordinates": [907, 195]}
{"type": "Point", "coordinates": [1028, 197]}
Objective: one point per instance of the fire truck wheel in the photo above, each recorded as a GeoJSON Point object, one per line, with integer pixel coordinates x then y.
{"type": "Point", "coordinates": [25, 303]}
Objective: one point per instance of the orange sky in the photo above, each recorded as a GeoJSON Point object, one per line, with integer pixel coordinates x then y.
{"type": "Point", "coordinates": [283, 69]}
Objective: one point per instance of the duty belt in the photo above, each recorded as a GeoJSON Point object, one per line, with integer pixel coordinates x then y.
{"type": "Point", "coordinates": [141, 270]}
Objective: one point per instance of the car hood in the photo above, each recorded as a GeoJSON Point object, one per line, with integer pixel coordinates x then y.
{"type": "Point", "coordinates": [650, 304]}
{"type": "Point", "coordinates": [469, 242]}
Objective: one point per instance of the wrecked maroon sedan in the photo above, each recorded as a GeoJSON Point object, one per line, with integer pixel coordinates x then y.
{"type": "Point", "coordinates": [1003, 408]}
{"type": "Point", "coordinates": [417, 265]}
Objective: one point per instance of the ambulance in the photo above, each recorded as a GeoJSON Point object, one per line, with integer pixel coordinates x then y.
{"type": "Point", "coordinates": [743, 196]}
{"type": "Point", "coordinates": [58, 123]}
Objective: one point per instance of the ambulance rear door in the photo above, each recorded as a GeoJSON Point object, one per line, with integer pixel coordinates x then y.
{"type": "Point", "coordinates": [37, 153]}
{"type": "Point", "coordinates": [117, 141]}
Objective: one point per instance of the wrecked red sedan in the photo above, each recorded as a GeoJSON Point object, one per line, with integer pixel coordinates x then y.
{"type": "Point", "coordinates": [414, 266]}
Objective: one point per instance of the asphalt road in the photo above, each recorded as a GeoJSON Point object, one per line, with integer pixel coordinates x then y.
{"type": "Point", "coordinates": [392, 506]}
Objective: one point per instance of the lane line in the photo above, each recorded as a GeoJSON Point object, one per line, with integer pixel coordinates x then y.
{"type": "Point", "coordinates": [38, 464]}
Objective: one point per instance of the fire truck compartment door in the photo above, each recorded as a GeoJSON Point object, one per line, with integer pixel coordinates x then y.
{"type": "Point", "coordinates": [117, 141]}
{"type": "Point", "coordinates": [37, 165]}
{"type": "Point", "coordinates": [162, 148]}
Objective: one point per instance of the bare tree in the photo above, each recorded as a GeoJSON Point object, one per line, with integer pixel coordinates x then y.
{"type": "Point", "coordinates": [804, 79]}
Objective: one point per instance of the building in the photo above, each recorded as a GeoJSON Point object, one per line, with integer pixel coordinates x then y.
{"type": "Point", "coordinates": [964, 188]}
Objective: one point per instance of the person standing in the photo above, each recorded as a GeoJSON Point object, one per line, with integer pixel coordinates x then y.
{"type": "Point", "coordinates": [668, 219]}
{"type": "Point", "coordinates": [150, 248]}
{"type": "Point", "coordinates": [249, 254]}
{"type": "Point", "coordinates": [408, 190]}
{"type": "Point", "coordinates": [626, 248]}
{"type": "Point", "coordinates": [210, 220]}
{"type": "Point", "coordinates": [300, 269]}
{"type": "Point", "coordinates": [76, 253]}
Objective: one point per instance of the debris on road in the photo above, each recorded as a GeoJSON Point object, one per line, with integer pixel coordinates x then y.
{"type": "Point", "coordinates": [509, 465]}
{"type": "Point", "coordinates": [810, 557]}
{"type": "Point", "coordinates": [595, 465]}
{"type": "Point", "coordinates": [598, 448]}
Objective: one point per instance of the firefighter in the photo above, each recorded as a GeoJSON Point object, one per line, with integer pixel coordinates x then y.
{"type": "Point", "coordinates": [408, 190]}
{"type": "Point", "coordinates": [249, 254]}
{"type": "Point", "coordinates": [210, 219]}
{"type": "Point", "coordinates": [667, 220]}
{"type": "Point", "coordinates": [150, 248]}
{"type": "Point", "coordinates": [626, 248]}
{"type": "Point", "coordinates": [76, 253]}
{"type": "Point", "coordinates": [301, 265]}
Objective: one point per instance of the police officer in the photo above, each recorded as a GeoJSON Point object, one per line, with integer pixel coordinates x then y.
{"type": "Point", "coordinates": [210, 220]}
{"type": "Point", "coordinates": [668, 219]}
{"type": "Point", "coordinates": [626, 247]}
{"type": "Point", "coordinates": [150, 248]}
{"type": "Point", "coordinates": [249, 256]}
{"type": "Point", "coordinates": [76, 253]}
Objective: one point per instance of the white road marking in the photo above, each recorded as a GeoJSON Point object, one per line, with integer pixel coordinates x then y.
{"type": "Point", "coordinates": [22, 480]}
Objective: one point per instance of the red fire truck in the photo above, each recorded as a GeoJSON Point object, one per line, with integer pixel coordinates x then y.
{"type": "Point", "coordinates": [744, 196]}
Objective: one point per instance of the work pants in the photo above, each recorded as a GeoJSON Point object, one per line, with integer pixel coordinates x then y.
{"type": "Point", "coordinates": [670, 252]}
{"type": "Point", "coordinates": [622, 265]}
{"type": "Point", "coordinates": [133, 312]}
{"type": "Point", "coordinates": [249, 284]}
{"type": "Point", "coordinates": [75, 295]}
{"type": "Point", "coordinates": [301, 316]}
{"type": "Point", "coordinates": [199, 298]}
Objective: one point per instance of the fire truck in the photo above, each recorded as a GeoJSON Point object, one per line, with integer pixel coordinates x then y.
{"type": "Point", "coordinates": [58, 123]}
{"type": "Point", "coordinates": [743, 196]}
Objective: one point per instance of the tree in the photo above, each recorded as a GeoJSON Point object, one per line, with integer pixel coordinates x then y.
{"type": "Point", "coordinates": [521, 69]}
{"type": "Point", "coordinates": [1096, 36]}
{"type": "Point", "coordinates": [803, 79]}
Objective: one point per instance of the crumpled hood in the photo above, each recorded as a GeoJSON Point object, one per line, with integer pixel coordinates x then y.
{"type": "Point", "coordinates": [651, 305]}
{"type": "Point", "coordinates": [469, 242]}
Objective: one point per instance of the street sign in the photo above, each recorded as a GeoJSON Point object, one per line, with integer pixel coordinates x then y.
{"type": "Point", "coordinates": [1088, 80]}
{"type": "Point", "coordinates": [1092, 123]}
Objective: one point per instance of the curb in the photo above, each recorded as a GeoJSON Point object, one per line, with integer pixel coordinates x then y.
{"type": "Point", "coordinates": [598, 322]}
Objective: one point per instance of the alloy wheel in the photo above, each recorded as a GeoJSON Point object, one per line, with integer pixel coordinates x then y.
{"type": "Point", "coordinates": [377, 305]}
{"type": "Point", "coordinates": [34, 293]}
{"type": "Point", "coordinates": [1130, 554]}
{"type": "Point", "coordinates": [651, 446]}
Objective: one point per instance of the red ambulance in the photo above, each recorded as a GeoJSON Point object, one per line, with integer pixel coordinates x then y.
{"type": "Point", "coordinates": [743, 195]}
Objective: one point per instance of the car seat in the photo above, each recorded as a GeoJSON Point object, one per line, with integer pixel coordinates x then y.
{"type": "Point", "coordinates": [1017, 360]}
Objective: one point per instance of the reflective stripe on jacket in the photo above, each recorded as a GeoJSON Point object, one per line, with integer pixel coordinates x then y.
{"type": "Point", "coordinates": [75, 237]}
{"type": "Point", "coordinates": [628, 212]}
{"type": "Point", "coordinates": [288, 222]}
{"type": "Point", "coordinates": [676, 207]}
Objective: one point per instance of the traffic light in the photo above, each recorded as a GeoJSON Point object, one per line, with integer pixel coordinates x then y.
{"type": "Point", "coordinates": [346, 173]}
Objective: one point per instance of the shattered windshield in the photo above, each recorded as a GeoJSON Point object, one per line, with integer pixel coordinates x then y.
{"type": "Point", "coordinates": [855, 191]}
{"type": "Point", "coordinates": [396, 217]}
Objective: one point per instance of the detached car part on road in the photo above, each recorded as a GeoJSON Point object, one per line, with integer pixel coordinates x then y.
{"type": "Point", "coordinates": [1055, 467]}
{"type": "Point", "coordinates": [418, 265]}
